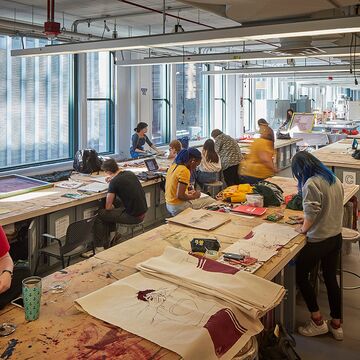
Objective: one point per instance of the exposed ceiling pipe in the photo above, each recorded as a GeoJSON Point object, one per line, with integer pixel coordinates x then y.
{"type": "Point", "coordinates": [51, 27]}
{"type": "Point", "coordinates": [166, 13]}
{"type": "Point", "coordinates": [75, 24]}
{"type": "Point", "coordinates": [27, 29]}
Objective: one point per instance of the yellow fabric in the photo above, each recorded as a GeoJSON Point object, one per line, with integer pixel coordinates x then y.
{"type": "Point", "coordinates": [175, 174]}
{"type": "Point", "coordinates": [237, 193]}
{"type": "Point", "coordinates": [252, 165]}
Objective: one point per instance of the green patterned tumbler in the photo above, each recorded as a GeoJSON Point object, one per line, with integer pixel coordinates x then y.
{"type": "Point", "coordinates": [31, 290]}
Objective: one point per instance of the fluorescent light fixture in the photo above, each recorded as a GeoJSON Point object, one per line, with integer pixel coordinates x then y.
{"type": "Point", "coordinates": [282, 70]}
{"type": "Point", "coordinates": [341, 51]}
{"type": "Point", "coordinates": [226, 35]}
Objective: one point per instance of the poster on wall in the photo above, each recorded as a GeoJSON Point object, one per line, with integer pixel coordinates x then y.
{"type": "Point", "coordinates": [302, 122]}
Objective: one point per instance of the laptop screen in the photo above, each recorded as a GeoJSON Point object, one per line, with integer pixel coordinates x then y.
{"type": "Point", "coordinates": [151, 164]}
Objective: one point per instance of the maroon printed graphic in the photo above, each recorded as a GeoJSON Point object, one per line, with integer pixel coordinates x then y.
{"type": "Point", "coordinates": [215, 266]}
{"type": "Point", "coordinates": [141, 295]}
{"type": "Point", "coordinates": [224, 330]}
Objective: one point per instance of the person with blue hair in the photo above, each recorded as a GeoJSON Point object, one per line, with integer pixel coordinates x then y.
{"type": "Point", "coordinates": [323, 195]}
{"type": "Point", "coordinates": [177, 193]}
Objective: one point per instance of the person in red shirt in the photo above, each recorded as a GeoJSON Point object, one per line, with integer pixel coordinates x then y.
{"type": "Point", "coordinates": [6, 263]}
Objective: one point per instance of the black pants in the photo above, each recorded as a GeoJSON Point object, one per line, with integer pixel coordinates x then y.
{"type": "Point", "coordinates": [231, 175]}
{"type": "Point", "coordinates": [326, 251]}
{"type": "Point", "coordinates": [244, 179]}
{"type": "Point", "coordinates": [106, 221]}
{"type": "Point", "coordinates": [16, 286]}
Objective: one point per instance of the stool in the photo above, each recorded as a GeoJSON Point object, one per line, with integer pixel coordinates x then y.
{"type": "Point", "coordinates": [213, 188]}
{"type": "Point", "coordinates": [349, 235]}
{"type": "Point", "coordinates": [130, 228]}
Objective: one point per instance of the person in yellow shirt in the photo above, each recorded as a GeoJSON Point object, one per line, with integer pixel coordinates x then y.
{"type": "Point", "coordinates": [177, 191]}
{"type": "Point", "coordinates": [259, 164]}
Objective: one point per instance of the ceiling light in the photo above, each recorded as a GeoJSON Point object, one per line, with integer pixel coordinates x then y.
{"type": "Point", "coordinates": [217, 36]}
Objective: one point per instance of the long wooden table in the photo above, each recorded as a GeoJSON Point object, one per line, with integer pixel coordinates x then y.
{"type": "Point", "coordinates": [64, 332]}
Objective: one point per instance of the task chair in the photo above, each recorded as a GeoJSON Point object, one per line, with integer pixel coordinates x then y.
{"type": "Point", "coordinates": [78, 237]}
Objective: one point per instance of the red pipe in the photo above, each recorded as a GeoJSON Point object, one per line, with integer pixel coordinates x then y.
{"type": "Point", "coordinates": [167, 14]}
{"type": "Point", "coordinates": [48, 10]}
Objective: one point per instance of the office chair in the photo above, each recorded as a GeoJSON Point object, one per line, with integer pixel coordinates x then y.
{"type": "Point", "coordinates": [78, 237]}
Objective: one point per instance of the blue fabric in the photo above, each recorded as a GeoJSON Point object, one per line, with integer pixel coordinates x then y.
{"type": "Point", "coordinates": [204, 177]}
{"type": "Point", "coordinates": [184, 142]}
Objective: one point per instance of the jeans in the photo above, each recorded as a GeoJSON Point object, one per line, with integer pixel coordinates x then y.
{"type": "Point", "coordinates": [106, 221]}
{"type": "Point", "coordinates": [175, 209]}
{"type": "Point", "coordinates": [231, 175]}
{"type": "Point", "coordinates": [204, 177]}
{"type": "Point", "coordinates": [326, 251]}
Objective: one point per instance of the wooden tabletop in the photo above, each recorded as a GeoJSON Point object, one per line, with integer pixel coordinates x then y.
{"type": "Point", "coordinates": [64, 332]}
{"type": "Point", "coordinates": [279, 143]}
{"type": "Point", "coordinates": [338, 155]}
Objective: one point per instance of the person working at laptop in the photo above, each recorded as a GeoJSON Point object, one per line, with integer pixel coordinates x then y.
{"type": "Point", "coordinates": [125, 203]}
{"type": "Point", "coordinates": [138, 141]}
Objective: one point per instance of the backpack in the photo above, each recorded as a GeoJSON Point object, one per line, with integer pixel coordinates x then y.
{"type": "Point", "coordinates": [272, 193]}
{"type": "Point", "coordinates": [87, 161]}
{"type": "Point", "coordinates": [235, 193]}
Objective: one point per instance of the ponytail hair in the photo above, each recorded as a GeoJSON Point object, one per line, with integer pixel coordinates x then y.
{"type": "Point", "coordinates": [140, 126]}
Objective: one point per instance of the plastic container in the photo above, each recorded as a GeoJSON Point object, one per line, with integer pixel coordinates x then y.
{"type": "Point", "coordinates": [255, 200]}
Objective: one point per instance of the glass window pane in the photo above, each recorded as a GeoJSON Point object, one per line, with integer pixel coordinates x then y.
{"type": "Point", "coordinates": [192, 98]}
{"type": "Point", "coordinates": [160, 121]}
{"type": "Point", "coordinates": [99, 102]}
{"type": "Point", "coordinates": [34, 96]}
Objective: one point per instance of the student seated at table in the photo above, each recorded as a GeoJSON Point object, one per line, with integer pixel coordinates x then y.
{"type": "Point", "coordinates": [230, 156]}
{"type": "Point", "coordinates": [210, 166]}
{"type": "Point", "coordinates": [125, 203]}
{"type": "Point", "coordinates": [10, 279]}
{"type": "Point", "coordinates": [323, 195]}
{"type": "Point", "coordinates": [259, 164]}
{"type": "Point", "coordinates": [138, 141]}
{"type": "Point", "coordinates": [174, 149]}
{"type": "Point", "coordinates": [177, 193]}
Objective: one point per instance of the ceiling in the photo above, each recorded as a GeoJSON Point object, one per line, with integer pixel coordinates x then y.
{"type": "Point", "coordinates": [135, 20]}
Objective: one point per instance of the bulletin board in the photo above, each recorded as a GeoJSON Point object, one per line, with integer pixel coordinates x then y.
{"type": "Point", "coordinates": [11, 185]}
{"type": "Point", "coordinates": [302, 122]}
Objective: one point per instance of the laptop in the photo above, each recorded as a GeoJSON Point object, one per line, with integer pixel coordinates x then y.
{"type": "Point", "coordinates": [153, 167]}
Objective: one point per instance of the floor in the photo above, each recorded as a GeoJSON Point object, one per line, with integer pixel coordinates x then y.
{"type": "Point", "coordinates": [325, 346]}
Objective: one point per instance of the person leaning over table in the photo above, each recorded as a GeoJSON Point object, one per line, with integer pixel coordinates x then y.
{"type": "Point", "coordinates": [138, 141]}
{"type": "Point", "coordinates": [174, 148]}
{"type": "Point", "coordinates": [230, 156]}
{"type": "Point", "coordinates": [323, 196]}
{"type": "Point", "coordinates": [259, 163]}
{"type": "Point", "coordinates": [125, 203]}
{"type": "Point", "coordinates": [10, 280]}
{"type": "Point", "coordinates": [210, 166]}
{"type": "Point", "coordinates": [177, 194]}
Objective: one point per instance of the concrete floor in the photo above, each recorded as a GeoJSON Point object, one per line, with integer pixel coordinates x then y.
{"type": "Point", "coordinates": [325, 346]}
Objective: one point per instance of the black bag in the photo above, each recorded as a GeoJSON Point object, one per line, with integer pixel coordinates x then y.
{"type": "Point", "coordinates": [272, 193]}
{"type": "Point", "coordinates": [283, 136]}
{"type": "Point", "coordinates": [278, 347]}
{"type": "Point", "coordinates": [54, 177]}
{"type": "Point", "coordinates": [356, 154]}
{"type": "Point", "coordinates": [87, 161]}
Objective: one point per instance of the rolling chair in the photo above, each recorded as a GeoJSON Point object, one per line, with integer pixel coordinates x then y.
{"type": "Point", "coordinates": [78, 237]}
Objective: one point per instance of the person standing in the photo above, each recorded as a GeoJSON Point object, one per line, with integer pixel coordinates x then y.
{"type": "Point", "coordinates": [210, 166]}
{"type": "Point", "coordinates": [323, 197]}
{"type": "Point", "coordinates": [259, 164]}
{"type": "Point", "coordinates": [125, 203]}
{"type": "Point", "coordinates": [230, 156]}
{"type": "Point", "coordinates": [138, 141]}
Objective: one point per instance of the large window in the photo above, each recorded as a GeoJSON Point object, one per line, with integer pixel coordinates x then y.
{"type": "Point", "coordinates": [161, 104]}
{"type": "Point", "coordinates": [34, 101]}
{"type": "Point", "coordinates": [219, 100]}
{"type": "Point", "coordinates": [100, 108]}
{"type": "Point", "coordinates": [192, 101]}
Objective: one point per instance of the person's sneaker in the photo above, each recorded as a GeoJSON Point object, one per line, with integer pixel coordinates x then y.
{"type": "Point", "coordinates": [87, 254]}
{"type": "Point", "coordinates": [99, 249]}
{"type": "Point", "coordinates": [338, 333]}
{"type": "Point", "coordinates": [311, 329]}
